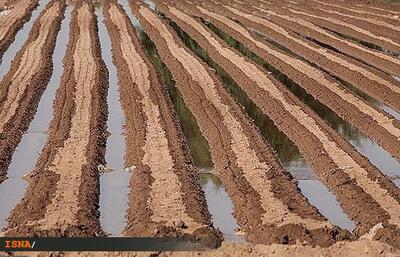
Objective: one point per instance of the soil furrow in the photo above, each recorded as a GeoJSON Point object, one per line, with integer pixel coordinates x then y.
{"type": "Point", "coordinates": [351, 10]}
{"type": "Point", "coordinates": [268, 205]}
{"type": "Point", "coordinates": [365, 194]}
{"type": "Point", "coordinates": [345, 28]}
{"type": "Point", "coordinates": [375, 26]}
{"type": "Point", "coordinates": [22, 87]}
{"type": "Point", "coordinates": [374, 58]}
{"type": "Point", "coordinates": [62, 197]}
{"type": "Point", "coordinates": [376, 124]}
{"type": "Point", "coordinates": [174, 203]}
{"type": "Point", "coordinates": [382, 7]}
{"type": "Point", "coordinates": [13, 20]}
{"type": "Point", "coordinates": [371, 81]}
{"type": "Point", "coordinates": [378, 24]}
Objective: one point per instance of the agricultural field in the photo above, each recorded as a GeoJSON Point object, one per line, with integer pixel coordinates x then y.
{"type": "Point", "coordinates": [250, 127]}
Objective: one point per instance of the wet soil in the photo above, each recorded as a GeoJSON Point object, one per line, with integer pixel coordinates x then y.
{"type": "Point", "coordinates": [346, 28]}
{"type": "Point", "coordinates": [381, 29]}
{"type": "Point", "coordinates": [20, 39]}
{"type": "Point", "coordinates": [35, 138]}
{"type": "Point", "coordinates": [182, 195]}
{"type": "Point", "coordinates": [378, 156]}
{"type": "Point", "coordinates": [25, 82]}
{"type": "Point", "coordinates": [368, 79]}
{"type": "Point", "coordinates": [322, 163]}
{"type": "Point", "coordinates": [12, 22]}
{"type": "Point", "coordinates": [286, 151]}
{"type": "Point", "coordinates": [224, 173]}
{"type": "Point", "coordinates": [42, 210]}
{"type": "Point", "coordinates": [373, 57]}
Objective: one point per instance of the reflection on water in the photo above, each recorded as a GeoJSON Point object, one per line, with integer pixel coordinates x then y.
{"type": "Point", "coordinates": [369, 99]}
{"type": "Point", "coordinates": [218, 201]}
{"type": "Point", "coordinates": [114, 186]}
{"type": "Point", "coordinates": [376, 154]}
{"type": "Point", "coordinates": [287, 152]}
{"type": "Point", "coordinates": [199, 148]}
{"type": "Point", "coordinates": [32, 142]}
{"type": "Point", "coordinates": [285, 149]}
{"type": "Point", "coordinates": [318, 195]}
{"type": "Point", "coordinates": [219, 205]}
{"type": "Point", "coordinates": [151, 4]}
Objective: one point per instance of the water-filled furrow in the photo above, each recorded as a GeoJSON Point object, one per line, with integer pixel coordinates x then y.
{"type": "Point", "coordinates": [219, 203]}
{"type": "Point", "coordinates": [376, 154]}
{"type": "Point", "coordinates": [33, 141]}
{"type": "Point", "coordinates": [114, 186]}
{"type": "Point", "coordinates": [287, 152]}
{"type": "Point", "coordinates": [20, 39]}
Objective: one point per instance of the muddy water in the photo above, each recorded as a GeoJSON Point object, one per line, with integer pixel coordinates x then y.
{"type": "Point", "coordinates": [20, 39]}
{"type": "Point", "coordinates": [289, 155]}
{"type": "Point", "coordinates": [114, 186]}
{"type": "Point", "coordinates": [33, 141]}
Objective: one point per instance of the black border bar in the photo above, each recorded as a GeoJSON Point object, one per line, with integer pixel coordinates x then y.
{"type": "Point", "coordinates": [32, 244]}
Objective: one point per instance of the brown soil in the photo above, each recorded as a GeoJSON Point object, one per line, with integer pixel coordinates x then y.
{"type": "Point", "coordinates": [379, 6]}
{"type": "Point", "coordinates": [260, 189]}
{"type": "Point", "coordinates": [62, 197]}
{"type": "Point", "coordinates": [365, 194]}
{"type": "Point", "coordinates": [391, 10]}
{"type": "Point", "coordinates": [377, 27]}
{"type": "Point", "coordinates": [23, 85]}
{"type": "Point", "coordinates": [371, 57]}
{"type": "Point", "coordinates": [356, 11]}
{"type": "Point", "coordinates": [374, 123]}
{"type": "Point", "coordinates": [371, 81]}
{"type": "Point", "coordinates": [165, 190]}
{"type": "Point", "coordinates": [12, 22]}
